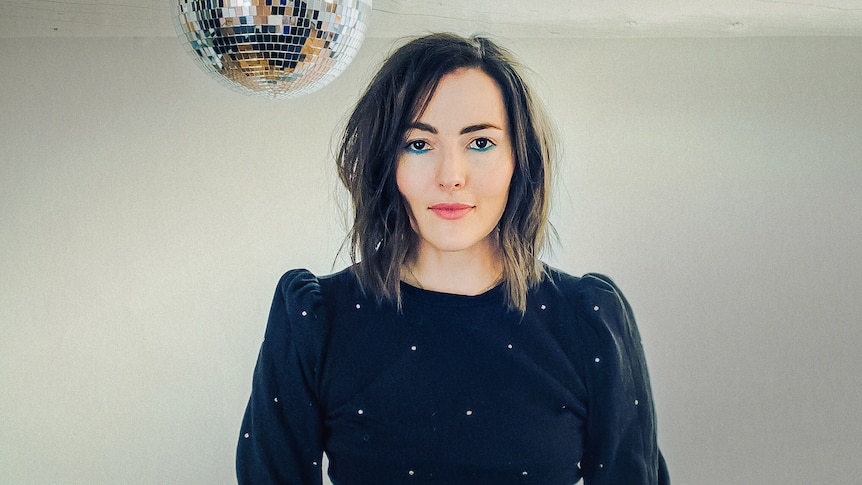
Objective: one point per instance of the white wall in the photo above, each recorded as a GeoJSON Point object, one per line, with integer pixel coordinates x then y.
{"type": "Point", "coordinates": [147, 213]}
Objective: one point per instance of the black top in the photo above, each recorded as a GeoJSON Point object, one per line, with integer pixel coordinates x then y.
{"type": "Point", "coordinates": [454, 389]}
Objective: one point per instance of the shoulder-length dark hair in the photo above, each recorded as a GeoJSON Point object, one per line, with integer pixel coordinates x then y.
{"type": "Point", "coordinates": [381, 237]}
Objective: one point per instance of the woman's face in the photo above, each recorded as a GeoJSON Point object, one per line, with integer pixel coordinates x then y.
{"type": "Point", "coordinates": [455, 165]}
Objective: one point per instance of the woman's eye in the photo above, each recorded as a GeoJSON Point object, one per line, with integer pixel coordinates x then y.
{"type": "Point", "coordinates": [482, 144]}
{"type": "Point", "coordinates": [417, 146]}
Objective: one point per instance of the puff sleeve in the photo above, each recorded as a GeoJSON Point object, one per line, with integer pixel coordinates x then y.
{"type": "Point", "coordinates": [621, 445]}
{"type": "Point", "coordinates": [281, 438]}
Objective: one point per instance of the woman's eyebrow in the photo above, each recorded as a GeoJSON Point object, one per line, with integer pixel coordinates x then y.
{"type": "Point", "coordinates": [418, 125]}
{"type": "Point", "coordinates": [479, 127]}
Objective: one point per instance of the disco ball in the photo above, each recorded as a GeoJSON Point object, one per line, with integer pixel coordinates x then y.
{"type": "Point", "coordinates": [272, 48]}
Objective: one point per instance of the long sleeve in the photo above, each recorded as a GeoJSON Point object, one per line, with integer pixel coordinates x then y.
{"type": "Point", "coordinates": [281, 438]}
{"type": "Point", "coordinates": [621, 445]}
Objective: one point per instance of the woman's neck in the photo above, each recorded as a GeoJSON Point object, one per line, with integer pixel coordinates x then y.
{"type": "Point", "coordinates": [470, 272]}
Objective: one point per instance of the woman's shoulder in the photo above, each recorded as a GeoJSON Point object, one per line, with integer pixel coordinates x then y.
{"type": "Point", "coordinates": [304, 291]}
{"type": "Point", "coordinates": [594, 295]}
{"type": "Point", "coordinates": [298, 278]}
{"type": "Point", "coordinates": [300, 307]}
{"type": "Point", "coordinates": [586, 284]}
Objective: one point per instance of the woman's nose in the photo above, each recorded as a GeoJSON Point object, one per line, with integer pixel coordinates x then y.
{"type": "Point", "coordinates": [452, 170]}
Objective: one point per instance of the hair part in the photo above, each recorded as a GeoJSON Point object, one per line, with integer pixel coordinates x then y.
{"type": "Point", "coordinates": [382, 240]}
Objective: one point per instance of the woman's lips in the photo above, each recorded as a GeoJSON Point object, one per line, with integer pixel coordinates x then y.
{"type": "Point", "coordinates": [450, 212]}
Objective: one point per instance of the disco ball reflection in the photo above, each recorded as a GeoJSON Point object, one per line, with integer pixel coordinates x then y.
{"type": "Point", "coordinates": [272, 48]}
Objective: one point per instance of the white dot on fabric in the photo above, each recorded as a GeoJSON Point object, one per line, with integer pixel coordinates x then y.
{"type": "Point", "coordinates": [412, 347]}
{"type": "Point", "coordinates": [596, 308]}
{"type": "Point", "coordinates": [543, 307]}
{"type": "Point", "coordinates": [598, 360]}
{"type": "Point", "coordinates": [304, 313]}
{"type": "Point", "coordinates": [314, 463]}
{"type": "Point", "coordinates": [245, 435]}
{"type": "Point", "coordinates": [509, 346]}
{"type": "Point", "coordinates": [469, 412]}
{"type": "Point", "coordinates": [524, 473]}
{"type": "Point", "coordinates": [601, 465]}
{"type": "Point", "coordinates": [636, 402]}
{"type": "Point", "coordinates": [579, 465]}
{"type": "Point", "coordinates": [358, 306]}
{"type": "Point", "coordinates": [411, 473]}
{"type": "Point", "coordinates": [360, 412]}
{"type": "Point", "coordinates": [275, 399]}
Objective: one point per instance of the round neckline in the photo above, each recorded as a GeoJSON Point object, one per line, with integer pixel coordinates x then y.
{"type": "Point", "coordinates": [432, 297]}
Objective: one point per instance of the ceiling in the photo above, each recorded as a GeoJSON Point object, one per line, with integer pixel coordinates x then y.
{"type": "Point", "coordinates": [508, 18]}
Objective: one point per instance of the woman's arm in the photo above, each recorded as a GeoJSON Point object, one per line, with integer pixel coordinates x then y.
{"type": "Point", "coordinates": [621, 445]}
{"type": "Point", "coordinates": [281, 438]}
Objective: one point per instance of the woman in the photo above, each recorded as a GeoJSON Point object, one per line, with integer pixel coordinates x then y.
{"type": "Point", "coordinates": [450, 353]}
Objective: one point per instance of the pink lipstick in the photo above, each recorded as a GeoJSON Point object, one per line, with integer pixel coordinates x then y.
{"type": "Point", "coordinates": [451, 212]}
